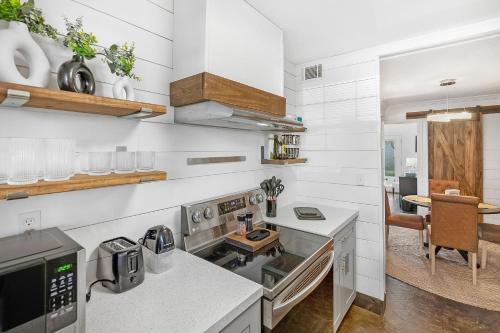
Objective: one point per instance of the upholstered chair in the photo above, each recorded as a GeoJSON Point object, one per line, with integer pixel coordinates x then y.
{"type": "Point", "coordinates": [454, 225]}
{"type": "Point", "coordinates": [410, 221]}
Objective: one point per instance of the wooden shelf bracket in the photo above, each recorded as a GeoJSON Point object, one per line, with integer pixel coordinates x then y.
{"type": "Point", "coordinates": [142, 113]}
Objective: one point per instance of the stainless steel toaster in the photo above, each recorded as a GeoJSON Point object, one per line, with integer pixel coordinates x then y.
{"type": "Point", "coordinates": [121, 262]}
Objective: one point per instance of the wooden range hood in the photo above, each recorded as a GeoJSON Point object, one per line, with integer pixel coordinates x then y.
{"type": "Point", "coordinates": [205, 87]}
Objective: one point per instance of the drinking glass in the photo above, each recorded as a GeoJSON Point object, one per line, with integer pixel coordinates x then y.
{"type": "Point", "coordinates": [4, 160]}
{"type": "Point", "coordinates": [99, 163]}
{"type": "Point", "coordinates": [23, 167]}
{"type": "Point", "coordinates": [59, 159]}
{"type": "Point", "coordinates": [125, 162]}
{"type": "Point", "coordinates": [145, 160]}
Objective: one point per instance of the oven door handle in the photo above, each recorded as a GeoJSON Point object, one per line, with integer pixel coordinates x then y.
{"type": "Point", "coordinates": [308, 289]}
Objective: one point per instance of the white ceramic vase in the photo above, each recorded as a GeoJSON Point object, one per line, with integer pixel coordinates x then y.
{"type": "Point", "coordinates": [15, 37]}
{"type": "Point", "coordinates": [123, 89]}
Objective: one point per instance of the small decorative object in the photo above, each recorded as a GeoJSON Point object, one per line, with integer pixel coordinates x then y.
{"type": "Point", "coordinates": [16, 19]}
{"type": "Point", "coordinates": [121, 62]}
{"type": "Point", "coordinates": [74, 75]}
{"type": "Point", "coordinates": [17, 38]}
{"type": "Point", "coordinates": [273, 189]}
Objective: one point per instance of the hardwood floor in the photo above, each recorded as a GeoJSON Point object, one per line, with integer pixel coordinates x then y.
{"type": "Point", "coordinates": [408, 310]}
{"type": "Point", "coordinates": [412, 310]}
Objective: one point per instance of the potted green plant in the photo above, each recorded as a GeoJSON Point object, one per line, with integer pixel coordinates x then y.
{"type": "Point", "coordinates": [74, 75]}
{"type": "Point", "coordinates": [121, 61]}
{"type": "Point", "coordinates": [16, 21]}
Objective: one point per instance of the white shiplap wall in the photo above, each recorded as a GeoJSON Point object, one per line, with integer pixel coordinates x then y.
{"type": "Point", "coordinates": [342, 114]}
{"type": "Point", "coordinates": [491, 163]}
{"type": "Point", "coordinates": [95, 215]}
{"type": "Point", "coordinates": [290, 89]}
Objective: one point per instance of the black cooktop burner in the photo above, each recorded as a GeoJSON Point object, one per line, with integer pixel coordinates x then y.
{"type": "Point", "coordinates": [266, 266]}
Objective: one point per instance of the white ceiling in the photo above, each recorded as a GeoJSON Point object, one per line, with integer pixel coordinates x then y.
{"type": "Point", "coordinates": [321, 28]}
{"type": "Point", "coordinates": [415, 77]}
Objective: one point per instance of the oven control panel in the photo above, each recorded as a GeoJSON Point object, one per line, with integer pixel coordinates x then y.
{"type": "Point", "coordinates": [231, 205]}
{"type": "Point", "coordinates": [61, 279]}
{"type": "Point", "coordinates": [204, 215]}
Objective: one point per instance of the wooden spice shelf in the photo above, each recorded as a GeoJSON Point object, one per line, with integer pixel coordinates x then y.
{"type": "Point", "coordinates": [17, 95]}
{"type": "Point", "coordinates": [285, 162]}
{"type": "Point", "coordinates": [77, 183]}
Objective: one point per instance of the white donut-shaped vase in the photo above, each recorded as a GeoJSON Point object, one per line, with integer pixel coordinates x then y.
{"type": "Point", "coordinates": [123, 89]}
{"type": "Point", "coordinates": [16, 38]}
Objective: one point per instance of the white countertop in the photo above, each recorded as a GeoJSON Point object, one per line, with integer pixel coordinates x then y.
{"type": "Point", "coordinates": [336, 219]}
{"type": "Point", "coordinates": [194, 295]}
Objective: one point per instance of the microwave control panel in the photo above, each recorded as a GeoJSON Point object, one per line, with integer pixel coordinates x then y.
{"type": "Point", "coordinates": [61, 279]}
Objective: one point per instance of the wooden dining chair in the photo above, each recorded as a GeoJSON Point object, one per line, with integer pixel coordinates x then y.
{"type": "Point", "coordinates": [410, 221]}
{"type": "Point", "coordinates": [489, 233]}
{"type": "Point", "coordinates": [454, 225]}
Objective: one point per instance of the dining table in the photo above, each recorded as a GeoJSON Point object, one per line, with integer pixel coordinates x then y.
{"type": "Point", "coordinates": [423, 201]}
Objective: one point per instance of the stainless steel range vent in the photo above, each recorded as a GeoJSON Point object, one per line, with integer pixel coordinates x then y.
{"type": "Point", "coordinates": [313, 72]}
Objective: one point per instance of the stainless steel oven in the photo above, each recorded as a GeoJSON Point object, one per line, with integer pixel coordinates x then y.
{"type": "Point", "coordinates": [289, 268]}
{"type": "Point", "coordinates": [42, 283]}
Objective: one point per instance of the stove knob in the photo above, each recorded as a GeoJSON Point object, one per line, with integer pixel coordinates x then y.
{"type": "Point", "coordinates": [197, 216]}
{"type": "Point", "coordinates": [260, 198]}
{"type": "Point", "coordinates": [208, 213]}
{"type": "Point", "coordinates": [253, 200]}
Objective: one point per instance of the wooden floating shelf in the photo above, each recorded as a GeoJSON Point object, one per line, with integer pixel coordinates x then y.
{"type": "Point", "coordinates": [285, 162]}
{"type": "Point", "coordinates": [17, 95]}
{"type": "Point", "coordinates": [77, 183]}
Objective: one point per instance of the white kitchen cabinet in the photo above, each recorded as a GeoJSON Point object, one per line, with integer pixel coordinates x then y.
{"type": "Point", "coordinates": [228, 38]}
{"type": "Point", "coordinates": [344, 275]}
{"type": "Point", "coordinates": [248, 322]}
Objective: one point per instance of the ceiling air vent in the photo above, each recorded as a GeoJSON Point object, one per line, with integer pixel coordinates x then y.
{"type": "Point", "coordinates": [313, 72]}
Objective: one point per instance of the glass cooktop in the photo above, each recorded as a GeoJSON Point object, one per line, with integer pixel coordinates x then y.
{"type": "Point", "coordinates": [271, 264]}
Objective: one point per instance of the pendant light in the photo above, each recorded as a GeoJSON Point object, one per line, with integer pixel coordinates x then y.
{"type": "Point", "coordinates": [445, 117]}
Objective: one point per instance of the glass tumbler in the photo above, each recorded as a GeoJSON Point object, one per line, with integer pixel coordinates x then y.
{"type": "Point", "coordinates": [4, 160]}
{"type": "Point", "coordinates": [99, 163]}
{"type": "Point", "coordinates": [146, 160]}
{"type": "Point", "coordinates": [59, 158]}
{"type": "Point", "coordinates": [125, 162]}
{"type": "Point", "coordinates": [23, 167]}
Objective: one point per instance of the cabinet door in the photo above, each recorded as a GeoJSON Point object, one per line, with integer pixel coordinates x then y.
{"type": "Point", "coordinates": [247, 322]}
{"type": "Point", "coordinates": [348, 280]}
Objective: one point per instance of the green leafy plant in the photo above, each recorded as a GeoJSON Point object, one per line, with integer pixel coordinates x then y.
{"type": "Point", "coordinates": [14, 10]}
{"type": "Point", "coordinates": [82, 43]}
{"type": "Point", "coordinates": [121, 60]}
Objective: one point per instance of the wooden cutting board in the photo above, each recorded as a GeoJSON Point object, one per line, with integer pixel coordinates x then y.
{"type": "Point", "coordinates": [253, 246]}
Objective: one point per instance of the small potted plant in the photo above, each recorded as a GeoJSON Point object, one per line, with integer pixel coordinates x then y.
{"type": "Point", "coordinates": [16, 21]}
{"type": "Point", "coordinates": [74, 75]}
{"type": "Point", "coordinates": [121, 61]}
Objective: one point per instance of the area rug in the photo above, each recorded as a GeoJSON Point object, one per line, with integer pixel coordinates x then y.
{"type": "Point", "coordinates": [453, 278]}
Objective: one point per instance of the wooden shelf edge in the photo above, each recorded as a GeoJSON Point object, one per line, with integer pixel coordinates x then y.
{"type": "Point", "coordinates": [48, 99]}
{"type": "Point", "coordinates": [285, 162]}
{"type": "Point", "coordinates": [79, 182]}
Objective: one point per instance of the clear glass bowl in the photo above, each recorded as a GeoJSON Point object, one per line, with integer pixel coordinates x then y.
{"type": "Point", "coordinates": [59, 159]}
{"type": "Point", "coordinates": [146, 160]}
{"type": "Point", "coordinates": [99, 163]}
{"type": "Point", "coordinates": [23, 167]}
{"type": "Point", "coordinates": [125, 162]}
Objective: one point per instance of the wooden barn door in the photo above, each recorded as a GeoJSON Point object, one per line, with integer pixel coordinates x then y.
{"type": "Point", "coordinates": [456, 153]}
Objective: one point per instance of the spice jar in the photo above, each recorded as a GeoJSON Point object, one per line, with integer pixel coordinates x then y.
{"type": "Point", "coordinates": [241, 224]}
{"type": "Point", "coordinates": [249, 222]}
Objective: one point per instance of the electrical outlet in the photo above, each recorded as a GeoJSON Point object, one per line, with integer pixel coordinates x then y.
{"type": "Point", "coordinates": [30, 221]}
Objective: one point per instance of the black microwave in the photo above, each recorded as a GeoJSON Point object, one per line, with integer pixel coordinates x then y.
{"type": "Point", "coordinates": [42, 283]}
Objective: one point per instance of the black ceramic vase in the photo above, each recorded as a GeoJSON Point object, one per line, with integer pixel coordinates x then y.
{"type": "Point", "coordinates": [74, 75]}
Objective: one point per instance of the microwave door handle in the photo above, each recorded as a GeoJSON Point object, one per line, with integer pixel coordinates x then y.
{"type": "Point", "coordinates": [307, 290]}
